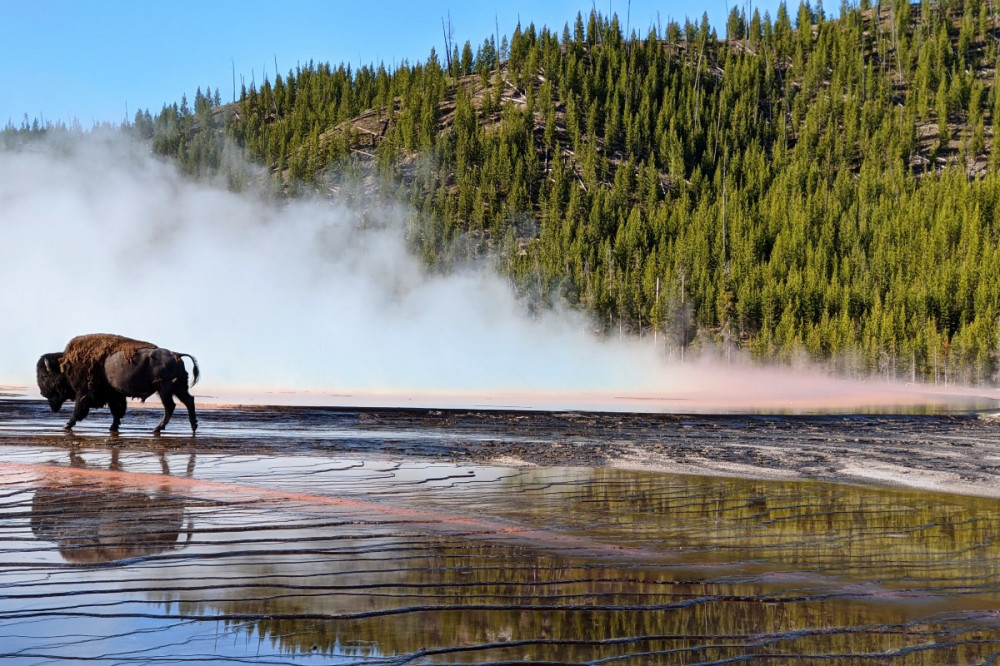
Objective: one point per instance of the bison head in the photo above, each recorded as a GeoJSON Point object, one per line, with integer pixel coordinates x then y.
{"type": "Point", "coordinates": [52, 382]}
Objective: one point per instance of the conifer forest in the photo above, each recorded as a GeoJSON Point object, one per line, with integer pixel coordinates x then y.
{"type": "Point", "coordinates": [796, 187]}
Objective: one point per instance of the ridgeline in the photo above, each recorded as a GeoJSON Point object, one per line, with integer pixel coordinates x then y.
{"type": "Point", "coordinates": [816, 187]}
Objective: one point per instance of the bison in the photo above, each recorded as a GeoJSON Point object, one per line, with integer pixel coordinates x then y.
{"type": "Point", "coordinates": [102, 369]}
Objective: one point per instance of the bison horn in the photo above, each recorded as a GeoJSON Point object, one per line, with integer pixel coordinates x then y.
{"type": "Point", "coordinates": [48, 364]}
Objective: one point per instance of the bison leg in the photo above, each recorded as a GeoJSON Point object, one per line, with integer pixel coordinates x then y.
{"type": "Point", "coordinates": [80, 410]}
{"type": "Point", "coordinates": [168, 409]}
{"type": "Point", "coordinates": [117, 404]}
{"type": "Point", "coordinates": [182, 394]}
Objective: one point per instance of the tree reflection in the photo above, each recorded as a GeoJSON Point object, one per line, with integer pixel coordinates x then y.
{"type": "Point", "coordinates": [788, 571]}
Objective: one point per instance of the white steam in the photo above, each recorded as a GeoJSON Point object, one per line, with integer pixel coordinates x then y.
{"type": "Point", "coordinates": [98, 236]}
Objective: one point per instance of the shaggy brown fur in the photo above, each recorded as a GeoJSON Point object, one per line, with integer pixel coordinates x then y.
{"type": "Point", "coordinates": [85, 355]}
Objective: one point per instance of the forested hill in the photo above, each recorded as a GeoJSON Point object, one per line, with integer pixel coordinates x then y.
{"type": "Point", "coordinates": [807, 186]}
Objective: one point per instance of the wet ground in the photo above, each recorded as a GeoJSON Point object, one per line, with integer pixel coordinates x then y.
{"type": "Point", "coordinates": [350, 536]}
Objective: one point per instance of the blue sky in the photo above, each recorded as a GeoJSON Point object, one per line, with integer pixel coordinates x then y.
{"type": "Point", "coordinates": [71, 60]}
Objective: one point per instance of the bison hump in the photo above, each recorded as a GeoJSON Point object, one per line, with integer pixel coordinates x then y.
{"type": "Point", "coordinates": [96, 347]}
{"type": "Point", "coordinates": [84, 356]}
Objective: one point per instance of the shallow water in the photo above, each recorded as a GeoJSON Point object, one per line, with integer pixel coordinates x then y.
{"type": "Point", "coordinates": [331, 536]}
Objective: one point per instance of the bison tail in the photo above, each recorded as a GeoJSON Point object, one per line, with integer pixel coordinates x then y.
{"type": "Point", "coordinates": [195, 372]}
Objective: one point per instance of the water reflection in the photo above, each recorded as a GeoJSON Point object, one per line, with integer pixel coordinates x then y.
{"type": "Point", "coordinates": [108, 522]}
{"type": "Point", "coordinates": [715, 569]}
{"type": "Point", "coordinates": [820, 527]}
{"type": "Point", "coordinates": [493, 564]}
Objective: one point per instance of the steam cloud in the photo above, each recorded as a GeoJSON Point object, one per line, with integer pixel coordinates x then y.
{"type": "Point", "coordinates": [99, 236]}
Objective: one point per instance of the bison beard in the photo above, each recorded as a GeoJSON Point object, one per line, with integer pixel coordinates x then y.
{"type": "Point", "coordinates": [104, 369]}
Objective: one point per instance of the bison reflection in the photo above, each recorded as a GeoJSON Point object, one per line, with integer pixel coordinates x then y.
{"type": "Point", "coordinates": [107, 523]}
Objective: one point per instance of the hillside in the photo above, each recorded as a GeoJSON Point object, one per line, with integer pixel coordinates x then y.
{"type": "Point", "coordinates": [809, 187]}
